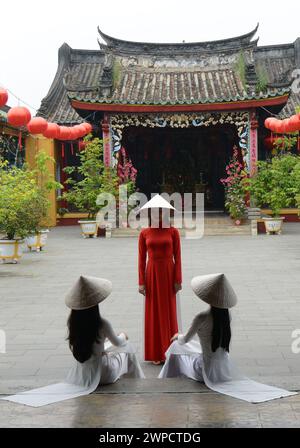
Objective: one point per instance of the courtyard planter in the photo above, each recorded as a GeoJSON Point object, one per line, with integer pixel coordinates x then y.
{"type": "Point", "coordinates": [37, 241]}
{"type": "Point", "coordinates": [273, 225]}
{"type": "Point", "coordinates": [89, 229]}
{"type": "Point", "coordinates": [11, 250]}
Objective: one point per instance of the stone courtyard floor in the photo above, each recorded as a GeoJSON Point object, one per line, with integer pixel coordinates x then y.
{"type": "Point", "coordinates": [264, 271]}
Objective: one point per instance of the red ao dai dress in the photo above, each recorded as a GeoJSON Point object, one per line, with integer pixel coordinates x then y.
{"type": "Point", "coordinates": [159, 269]}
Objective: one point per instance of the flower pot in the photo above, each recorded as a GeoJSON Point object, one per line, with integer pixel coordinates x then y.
{"type": "Point", "coordinates": [89, 229]}
{"type": "Point", "coordinates": [237, 221]}
{"type": "Point", "coordinates": [273, 225]}
{"type": "Point", "coordinates": [38, 241]}
{"type": "Point", "coordinates": [11, 250]}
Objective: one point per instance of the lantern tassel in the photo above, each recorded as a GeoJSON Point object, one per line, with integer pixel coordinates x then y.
{"type": "Point", "coordinates": [72, 149]}
{"type": "Point", "coordinates": [63, 150]}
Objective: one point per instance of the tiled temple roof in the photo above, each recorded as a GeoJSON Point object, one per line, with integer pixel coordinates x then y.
{"type": "Point", "coordinates": [278, 63]}
{"type": "Point", "coordinates": [134, 73]}
{"type": "Point", "coordinates": [88, 65]}
{"type": "Point", "coordinates": [175, 87]}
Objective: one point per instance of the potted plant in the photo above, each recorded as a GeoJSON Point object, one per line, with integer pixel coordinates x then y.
{"type": "Point", "coordinates": [94, 179]}
{"type": "Point", "coordinates": [274, 187]}
{"type": "Point", "coordinates": [46, 183]}
{"type": "Point", "coordinates": [234, 190]}
{"type": "Point", "coordinates": [21, 206]}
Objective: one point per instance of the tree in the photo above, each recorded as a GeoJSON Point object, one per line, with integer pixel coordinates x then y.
{"type": "Point", "coordinates": [95, 179]}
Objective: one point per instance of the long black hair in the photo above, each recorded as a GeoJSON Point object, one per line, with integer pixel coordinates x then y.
{"type": "Point", "coordinates": [83, 328]}
{"type": "Point", "coordinates": [221, 333]}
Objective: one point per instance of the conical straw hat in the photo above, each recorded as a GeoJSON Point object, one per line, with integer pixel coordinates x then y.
{"type": "Point", "coordinates": [88, 292]}
{"type": "Point", "coordinates": [215, 290]}
{"type": "Point", "coordinates": [157, 202]}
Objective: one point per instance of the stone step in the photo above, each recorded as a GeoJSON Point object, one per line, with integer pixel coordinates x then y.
{"type": "Point", "coordinates": [215, 228]}
{"type": "Point", "coordinates": [153, 385]}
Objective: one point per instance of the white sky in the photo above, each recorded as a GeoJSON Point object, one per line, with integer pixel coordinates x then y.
{"type": "Point", "coordinates": [31, 31]}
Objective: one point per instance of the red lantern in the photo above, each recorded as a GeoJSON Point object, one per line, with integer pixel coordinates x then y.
{"type": "Point", "coordinates": [278, 127]}
{"type": "Point", "coordinates": [269, 142]}
{"type": "Point", "coordinates": [74, 133]}
{"type": "Point", "coordinates": [18, 116]}
{"type": "Point", "coordinates": [294, 123]}
{"type": "Point", "coordinates": [3, 97]}
{"type": "Point", "coordinates": [64, 133]}
{"type": "Point", "coordinates": [37, 125]}
{"type": "Point", "coordinates": [272, 122]}
{"type": "Point", "coordinates": [52, 131]}
{"type": "Point", "coordinates": [81, 145]}
{"type": "Point", "coordinates": [268, 122]}
{"type": "Point", "coordinates": [81, 130]}
{"type": "Point", "coordinates": [88, 127]}
{"type": "Point", "coordinates": [285, 125]}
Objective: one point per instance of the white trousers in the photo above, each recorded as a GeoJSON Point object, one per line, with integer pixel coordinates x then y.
{"type": "Point", "coordinates": [189, 366]}
{"type": "Point", "coordinates": [115, 365]}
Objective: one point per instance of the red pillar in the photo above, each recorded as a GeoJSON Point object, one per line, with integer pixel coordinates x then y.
{"type": "Point", "coordinates": [106, 141]}
{"type": "Point", "coordinates": [253, 143]}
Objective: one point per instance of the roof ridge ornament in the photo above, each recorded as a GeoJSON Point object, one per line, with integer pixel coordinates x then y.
{"type": "Point", "coordinates": [126, 46]}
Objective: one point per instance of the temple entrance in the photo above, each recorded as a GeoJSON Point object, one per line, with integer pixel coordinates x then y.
{"type": "Point", "coordinates": [185, 160]}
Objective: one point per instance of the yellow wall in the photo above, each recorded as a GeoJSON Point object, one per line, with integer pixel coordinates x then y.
{"type": "Point", "coordinates": [33, 146]}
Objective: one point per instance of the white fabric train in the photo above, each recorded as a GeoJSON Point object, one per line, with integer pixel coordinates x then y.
{"type": "Point", "coordinates": [109, 362]}
{"type": "Point", "coordinates": [220, 375]}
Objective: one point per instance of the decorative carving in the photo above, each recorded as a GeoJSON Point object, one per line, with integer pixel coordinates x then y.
{"type": "Point", "coordinates": [239, 119]}
{"type": "Point", "coordinates": [106, 80]}
{"type": "Point", "coordinates": [250, 74]}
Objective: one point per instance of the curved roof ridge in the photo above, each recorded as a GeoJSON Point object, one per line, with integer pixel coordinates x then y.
{"type": "Point", "coordinates": [233, 42]}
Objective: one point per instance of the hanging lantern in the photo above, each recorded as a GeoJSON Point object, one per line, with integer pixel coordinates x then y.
{"type": "Point", "coordinates": [88, 127]}
{"type": "Point", "coordinates": [37, 125]}
{"type": "Point", "coordinates": [81, 145]}
{"type": "Point", "coordinates": [18, 116]}
{"type": "Point", "coordinates": [285, 125]}
{"type": "Point", "coordinates": [278, 127]}
{"type": "Point", "coordinates": [294, 123]}
{"type": "Point", "coordinates": [64, 133]}
{"type": "Point", "coordinates": [271, 123]}
{"type": "Point", "coordinates": [74, 134]}
{"type": "Point", "coordinates": [269, 142]}
{"type": "Point", "coordinates": [3, 97]}
{"type": "Point", "coordinates": [267, 123]}
{"type": "Point", "coordinates": [81, 129]}
{"type": "Point", "coordinates": [52, 131]}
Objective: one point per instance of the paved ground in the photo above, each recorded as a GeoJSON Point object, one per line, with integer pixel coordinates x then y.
{"type": "Point", "coordinates": [264, 271]}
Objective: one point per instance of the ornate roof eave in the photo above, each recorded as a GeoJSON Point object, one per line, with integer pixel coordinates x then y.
{"type": "Point", "coordinates": [131, 47]}
{"type": "Point", "coordinates": [262, 48]}
{"type": "Point", "coordinates": [56, 91]}
{"type": "Point", "coordinates": [280, 100]}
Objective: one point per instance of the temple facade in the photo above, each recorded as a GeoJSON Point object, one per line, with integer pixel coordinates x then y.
{"type": "Point", "coordinates": [177, 110]}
